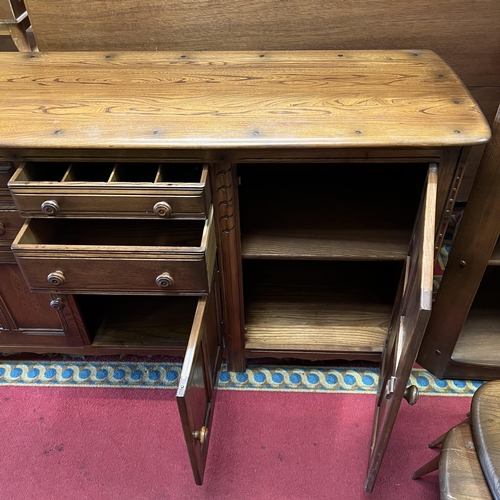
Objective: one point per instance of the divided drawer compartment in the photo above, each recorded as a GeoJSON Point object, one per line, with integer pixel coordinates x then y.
{"type": "Point", "coordinates": [149, 257]}
{"type": "Point", "coordinates": [104, 189]}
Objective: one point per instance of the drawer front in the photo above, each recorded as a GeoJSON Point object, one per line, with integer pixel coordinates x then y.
{"type": "Point", "coordinates": [100, 190]}
{"type": "Point", "coordinates": [115, 274]}
{"type": "Point", "coordinates": [118, 257]}
{"type": "Point", "coordinates": [10, 224]}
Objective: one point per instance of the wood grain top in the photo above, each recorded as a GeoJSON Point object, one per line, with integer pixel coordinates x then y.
{"type": "Point", "coordinates": [324, 99]}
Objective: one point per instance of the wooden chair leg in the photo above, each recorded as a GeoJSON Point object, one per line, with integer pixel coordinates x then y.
{"type": "Point", "coordinates": [20, 36]}
{"type": "Point", "coordinates": [430, 466]}
{"type": "Point", "coordinates": [438, 441]}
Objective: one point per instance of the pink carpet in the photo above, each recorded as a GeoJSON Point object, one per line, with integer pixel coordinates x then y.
{"type": "Point", "coordinates": [80, 443]}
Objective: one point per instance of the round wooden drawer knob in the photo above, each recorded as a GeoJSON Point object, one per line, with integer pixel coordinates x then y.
{"type": "Point", "coordinates": [2, 229]}
{"type": "Point", "coordinates": [57, 304]}
{"type": "Point", "coordinates": [162, 209]}
{"type": "Point", "coordinates": [165, 280]}
{"type": "Point", "coordinates": [201, 435]}
{"type": "Point", "coordinates": [50, 207]}
{"type": "Point", "coordinates": [56, 278]}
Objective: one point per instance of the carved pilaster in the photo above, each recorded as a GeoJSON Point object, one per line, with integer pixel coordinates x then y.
{"type": "Point", "coordinates": [224, 181]}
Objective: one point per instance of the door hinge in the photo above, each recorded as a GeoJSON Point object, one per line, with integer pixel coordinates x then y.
{"type": "Point", "coordinates": [391, 387]}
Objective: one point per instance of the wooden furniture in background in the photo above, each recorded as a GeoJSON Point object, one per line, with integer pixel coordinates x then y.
{"type": "Point", "coordinates": [14, 21]}
{"type": "Point", "coordinates": [469, 462]}
{"type": "Point", "coordinates": [463, 336]}
{"type": "Point", "coordinates": [460, 473]}
{"type": "Point", "coordinates": [331, 192]}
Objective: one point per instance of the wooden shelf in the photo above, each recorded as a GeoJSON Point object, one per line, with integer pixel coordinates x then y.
{"type": "Point", "coordinates": [134, 321]}
{"type": "Point", "coordinates": [346, 212]}
{"type": "Point", "coordinates": [318, 306]}
{"type": "Point", "coordinates": [495, 256]}
{"type": "Point", "coordinates": [479, 341]}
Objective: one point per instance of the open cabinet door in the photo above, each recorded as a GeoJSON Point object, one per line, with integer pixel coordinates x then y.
{"type": "Point", "coordinates": [409, 319]}
{"type": "Point", "coordinates": [198, 381]}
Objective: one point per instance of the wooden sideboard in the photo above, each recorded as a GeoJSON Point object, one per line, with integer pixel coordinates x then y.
{"type": "Point", "coordinates": [314, 186]}
{"type": "Point", "coordinates": [463, 335]}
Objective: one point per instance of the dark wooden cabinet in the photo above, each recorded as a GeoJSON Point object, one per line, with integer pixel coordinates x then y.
{"type": "Point", "coordinates": [463, 336]}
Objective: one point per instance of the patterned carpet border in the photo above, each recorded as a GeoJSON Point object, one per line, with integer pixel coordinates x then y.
{"type": "Point", "coordinates": [267, 378]}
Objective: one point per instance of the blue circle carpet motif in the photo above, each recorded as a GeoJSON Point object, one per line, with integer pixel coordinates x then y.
{"type": "Point", "coordinates": [263, 378]}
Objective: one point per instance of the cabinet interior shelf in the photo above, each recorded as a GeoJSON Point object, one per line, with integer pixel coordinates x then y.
{"type": "Point", "coordinates": [479, 341]}
{"type": "Point", "coordinates": [136, 321]}
{"type": "Point", "coordinates": [319, 306]}
{"type": "Point", "coordinates": [343, 212]}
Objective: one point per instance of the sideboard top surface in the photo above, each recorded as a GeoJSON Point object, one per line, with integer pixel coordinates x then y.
{"type": "Point", "coordinates": [313, 99]}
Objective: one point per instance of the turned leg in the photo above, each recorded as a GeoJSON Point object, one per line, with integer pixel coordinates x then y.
{"type": "Point", "coordinates": [430, 466]}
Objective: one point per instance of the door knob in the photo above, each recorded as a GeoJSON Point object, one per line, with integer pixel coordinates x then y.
{"type": "Point", "coordinates": [201, 435]}
{"type": "Point", "coordinates": [411, 394]}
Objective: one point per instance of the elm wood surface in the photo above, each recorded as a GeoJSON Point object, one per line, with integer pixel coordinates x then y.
{"type": "Point", "coordinates": [120, 190]}
{"type": "Point", "coordinates": [235, 99]}
{"type": "Point", "coordinates": [485, 419]}
{"type": "Point", "coordinates": [117, 256]}
{"type": "Point", "coordinates": [335, 307]}
{"type": "Point", "coordinates": [348, 212]}
{"type": "Point", "coordinates": [409, 319]}
{"type": "Point", "coordinates": [462, 32]}
{"type": "Point", "coordinates": [460, 473]}
{"type": "Point", "coordinates": [469, 257]}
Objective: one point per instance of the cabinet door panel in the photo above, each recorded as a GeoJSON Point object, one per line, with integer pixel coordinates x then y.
{"type": "Point", "coordinates": [409, 319]}
{"type": "Point", "coordinates": [197, 386]}
{"type": "Point", "coordinates": [27, 310]}
{"type": "Point", "coordinates": [29, 319]}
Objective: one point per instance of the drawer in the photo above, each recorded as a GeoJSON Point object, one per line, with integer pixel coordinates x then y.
{"type": "Point", "coordinates": [101, 190]}
{"type": "Point", "coordinates": [150, 257]}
